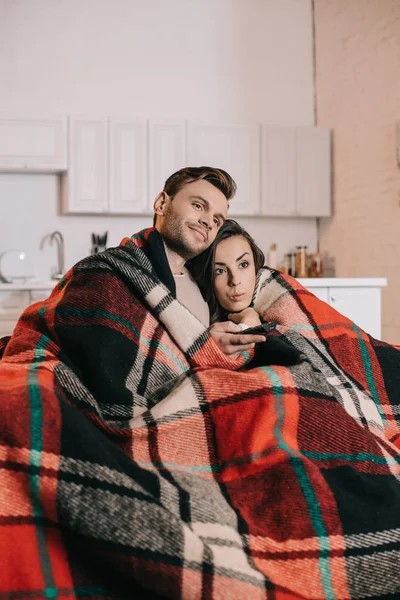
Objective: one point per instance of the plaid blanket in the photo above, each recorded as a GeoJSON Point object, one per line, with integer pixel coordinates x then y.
{"type": "Point", "coordinates": [137, 461]}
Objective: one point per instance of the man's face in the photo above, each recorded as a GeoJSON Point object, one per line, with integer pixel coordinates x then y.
{"type": "Point", "coordinates": [189, 222]}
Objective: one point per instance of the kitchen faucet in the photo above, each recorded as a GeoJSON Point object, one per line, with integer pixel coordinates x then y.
{"type": "Point", "coordinates": [58, 238]}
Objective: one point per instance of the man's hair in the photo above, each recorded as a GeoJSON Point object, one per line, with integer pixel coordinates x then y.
{"type": "Point", "coordinates": [202, 267]}
{"type": "Point", "coordinates": [217, 177]}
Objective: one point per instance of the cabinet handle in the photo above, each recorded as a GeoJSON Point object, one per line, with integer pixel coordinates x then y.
{"type": "Point", "coordinates": [333, 298]}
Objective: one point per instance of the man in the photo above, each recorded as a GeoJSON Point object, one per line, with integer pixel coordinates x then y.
{"type": "Point", "coordinates": [187, 214]}
{"type": "Point", "coordinates": [84, 374]}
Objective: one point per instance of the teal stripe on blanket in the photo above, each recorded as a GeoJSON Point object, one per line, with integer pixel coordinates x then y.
{"type": "Point", "coordinates": [35, 461]}
{"type": "Point", "coordinates": [359, 457]}
{"type": "Point", "coordinates": [305, 484]}
{"type": "Point", "coordinates": [368, 373]}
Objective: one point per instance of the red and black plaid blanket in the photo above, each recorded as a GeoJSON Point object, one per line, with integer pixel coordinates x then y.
{"type": "Point", "coordinates": [137, 461]}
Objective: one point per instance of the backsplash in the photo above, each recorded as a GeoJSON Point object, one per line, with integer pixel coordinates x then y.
{"type": "Point", "coordinates": [29, 211]}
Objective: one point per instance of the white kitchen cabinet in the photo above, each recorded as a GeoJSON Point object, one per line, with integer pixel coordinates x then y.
{"type": "Point", "coordinates": [12, 304]}
{"type": "Point", "coordinates": [295, 172]}
{"type": "Point", "coordinates": [33, 144]}
{"type": "Point", "coordinates": [16, 297]}
{"type": "Point", "coordinates": [361, 305]}
{"type": "Point", "coordinates": [356, 299]}
{"type": "Point", "coordinates": [85, 186]}
{"type": "Point", "coordinates": [38, 295]}
{"type": "Point", "coordinates": [236, 149]}
{"type": "Point", "coordinates": [128, 166]}
{"type": "Point", "coordinates": [167, 153]}
{"type": "Point", "coordinates": [313, 172]}
{"type": "Point", "coordinates": [278, 167]}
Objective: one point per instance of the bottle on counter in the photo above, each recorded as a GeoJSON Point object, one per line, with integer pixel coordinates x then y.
{"type": "Point", "coordinates": [316, 265]}
{"type": "Point", "coordinates": [272, 258]}
{"type": "Point", "coordinates": [291, 257]}
{"type": "Point", "coordinates": [301, 262]}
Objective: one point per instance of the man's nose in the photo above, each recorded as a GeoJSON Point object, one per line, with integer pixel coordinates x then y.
{"type": "Point", "coordinates": [205, 221]}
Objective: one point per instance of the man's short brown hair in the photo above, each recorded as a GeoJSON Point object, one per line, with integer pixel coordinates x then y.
{"type": "Point", "coordinates": [217, 177]}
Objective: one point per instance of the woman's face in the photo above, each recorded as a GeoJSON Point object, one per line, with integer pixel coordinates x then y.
{"type": "Point", "coordinates": [235, 273]}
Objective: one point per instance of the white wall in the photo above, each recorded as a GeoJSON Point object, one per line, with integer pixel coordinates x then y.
{"type": "Point", "coordinates": [223, 60]}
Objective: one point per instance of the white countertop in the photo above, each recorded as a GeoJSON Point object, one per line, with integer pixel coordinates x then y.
{"type": "Point", "coordinates": [343, 281]}
{"type": "Point", "coordinates": [309, 282]}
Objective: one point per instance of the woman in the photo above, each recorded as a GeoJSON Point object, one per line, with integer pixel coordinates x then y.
{"type": "Point", "coordinates": [226, 274]}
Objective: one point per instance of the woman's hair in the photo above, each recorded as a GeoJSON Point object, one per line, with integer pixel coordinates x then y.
{"type": "Point", "coordinates": [202, 267]}
{"type": "Point", "coordinates": [217, 177]}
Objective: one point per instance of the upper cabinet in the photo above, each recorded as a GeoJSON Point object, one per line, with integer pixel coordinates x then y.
{"type": "Point", "coordinates": [296, 171]}
{"type": "Point", "coordinates": [278, 171]}
{"type": "Point", "coordinates": [33, 144]}
{"type": "Point", "coordinates": [119, 165]}
{"type": "Point", "coordinates": [128, 166]}
{"type": "Point", "coordinates": [84, 188]}
{"type": "Point", "coordinates": [313, 174]}
{"type": "Point", "coordinates": [167, 153]}
{"type": "Point", "coordinates": [236, 149]}
{"type": "Point", "coordinates": [107, 167]}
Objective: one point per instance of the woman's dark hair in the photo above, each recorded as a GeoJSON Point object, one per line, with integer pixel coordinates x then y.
{"type": "Point", "coordinates": [202, 266]}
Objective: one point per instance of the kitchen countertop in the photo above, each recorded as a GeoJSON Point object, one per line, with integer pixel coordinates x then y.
{"type": "Point", "coordinates": [307, 282]}
{"type": "Point", "coordinates": [343, 281]}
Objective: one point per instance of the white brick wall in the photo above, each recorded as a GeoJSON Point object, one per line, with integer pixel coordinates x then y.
{"type": "Point", "coordinates": [358, 96]}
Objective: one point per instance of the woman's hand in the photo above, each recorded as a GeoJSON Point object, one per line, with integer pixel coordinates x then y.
{"type": "Point", "coordinates": [248, 316]}
{"type": "Point", "coordinates": [231, 340]}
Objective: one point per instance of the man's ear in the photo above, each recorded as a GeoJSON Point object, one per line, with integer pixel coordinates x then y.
{"type": "Point", "coordinates": [160, 203]}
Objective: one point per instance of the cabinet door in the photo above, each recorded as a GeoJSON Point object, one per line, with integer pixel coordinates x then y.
{"type": "Point", "coordinates": [313, 172]}
{"type": "Point", "coordinates": [128, 166]}
{"type": "Point", "coordinates": [38, 295]}
{"type": "Point", "coordinates": [33, 144]}
{"type": "Point", "coordinates": [278, 171]}
{"type": "Point", "coordinates": [320, 292]}
{"type": "Point", "coordinates": [7, 327]}
{"type": "Point", "coordinates": [235, 148]}
{"type": "Point", "coordinates": [360, 304]}
{"type": "Point", "coordinates": [12, 304]}
{"type": "Point", "coordinates": [85, 187]}
{"type": "Point", "coordinates": [167, 153]}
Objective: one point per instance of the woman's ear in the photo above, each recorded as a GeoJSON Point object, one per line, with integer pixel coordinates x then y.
{"type": "Point", "coordinates": [159, 203]}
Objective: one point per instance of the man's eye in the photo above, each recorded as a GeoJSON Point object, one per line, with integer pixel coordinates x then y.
{"type": "Point", "coordinates": [197, 205]}
{"type": "Point", "coordinates": [216, 221]}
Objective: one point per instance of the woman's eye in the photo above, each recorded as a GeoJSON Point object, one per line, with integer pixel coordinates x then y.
{"type": "Point", "coordinates": [244, 264]}
{"type": "Point", "coordinates": [219, 271]}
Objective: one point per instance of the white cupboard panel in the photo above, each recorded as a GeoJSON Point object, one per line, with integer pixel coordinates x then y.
{"type": "Point", "coordinates": [7, 327]}
{"type": "Point", "coordinates": [361, 305]}
{"type": "Point", "coordinates": [12, 303]}
{"type": "Point", "coordinates": [278, 171]}
{"type": "Point", "coordinates": [33, 144]}
{"type": "Point", "coordinates": [321, 293]}
{"type": "Point", "coordinates": [167, 153]}
{"type": "Point", "coordinates": [39, 295]}
{"type": "Point", "coordinates": [128, 166]}
{"type": "Point", "coordinates": [85, 187]}
{"type": "Point", "coordinates": [236, 149]}
{"type": "Point", "coordinates": [313, 172]}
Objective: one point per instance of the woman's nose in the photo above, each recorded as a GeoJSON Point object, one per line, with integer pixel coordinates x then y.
{"type": "Point", "coordinates": [234, 280]}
